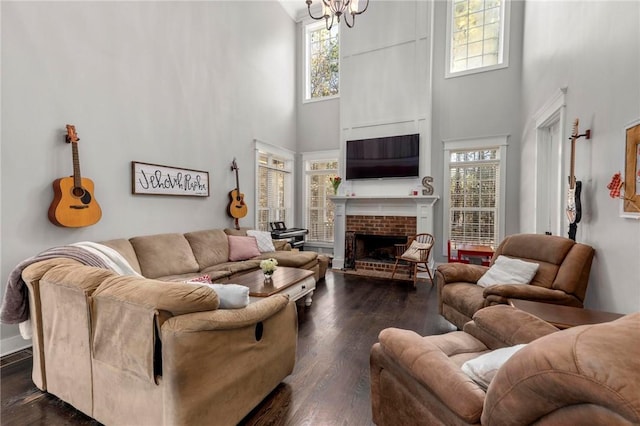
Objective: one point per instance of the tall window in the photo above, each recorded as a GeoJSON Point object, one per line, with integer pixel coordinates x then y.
{"type": "Point", "coordinates": [322, 52]}
{"type": "Point", "coordinates": [474, 175]}
{"type": "Point", "coordinates": [477, 35]}
{"type": "Point", "coordinates": [319, 210]}
{"type": "Point", "coordinates": [274, 189]}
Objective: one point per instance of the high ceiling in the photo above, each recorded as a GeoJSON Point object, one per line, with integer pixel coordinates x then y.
{"type": "Point", "coordinates": [294, 8]}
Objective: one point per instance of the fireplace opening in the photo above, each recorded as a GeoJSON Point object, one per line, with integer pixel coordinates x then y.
{"type": "Point", "coordinates": [377, 248]}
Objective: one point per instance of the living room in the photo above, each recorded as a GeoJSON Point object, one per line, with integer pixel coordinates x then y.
{"type": "Point", "coordinates": [196, 84]}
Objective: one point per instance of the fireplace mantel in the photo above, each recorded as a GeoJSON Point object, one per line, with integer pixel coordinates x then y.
{"type": "Point", "coordinates": [418, 206]}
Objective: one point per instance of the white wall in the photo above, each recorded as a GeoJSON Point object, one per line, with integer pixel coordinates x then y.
{"type": "Point", "coordinates": [386, 85]}
{"type": "Point", "coordinates": [592, 48]}
{"type": "Point", "coordinates": [477, 105]}
{"type": "Point", "coordinates": [186, 84]}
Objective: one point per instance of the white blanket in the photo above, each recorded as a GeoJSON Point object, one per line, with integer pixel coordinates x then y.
{"type": "Point", "coordinates": [112, 258]}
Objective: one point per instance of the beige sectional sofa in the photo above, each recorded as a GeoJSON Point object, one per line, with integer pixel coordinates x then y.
{"type": "Point", "coordinates": [151, 349]}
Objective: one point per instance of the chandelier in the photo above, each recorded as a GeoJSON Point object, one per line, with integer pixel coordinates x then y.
{"type": "Point", "coordinates": [338, 8]}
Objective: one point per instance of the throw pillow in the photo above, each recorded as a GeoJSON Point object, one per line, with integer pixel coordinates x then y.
{"type": "Point", "coordinates": [509, 271]}
{"type": "Point", "coordinates": [232, 296]}
{"type": "Point", "coordinates": [413, 252]}
{"type": "Point", "coordinates": [483, 368]}
{"type": "Point", "coordinates": [242, 248]}
{"type": "Point", "coordinates": [265, 243]}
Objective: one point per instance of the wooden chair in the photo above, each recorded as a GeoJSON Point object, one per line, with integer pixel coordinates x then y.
{"type": "Point", "coordinates": [418, 261]}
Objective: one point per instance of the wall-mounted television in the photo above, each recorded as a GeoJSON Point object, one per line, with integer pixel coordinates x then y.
{"type": "Point", "coordinates": [385, 157]}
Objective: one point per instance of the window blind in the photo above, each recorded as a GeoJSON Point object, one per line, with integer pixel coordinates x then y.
{"type": "Point", "coordinates": [474, 196]}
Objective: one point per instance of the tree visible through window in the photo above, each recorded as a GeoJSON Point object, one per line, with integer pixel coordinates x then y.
{"type": "Point", "coordinates": [323, 61]}
{"type": "Point", "coordinates": [319, 208]}
{"type": "Point", "coordinates": [474, 196]}
{"type": "Point", "coordinates": [477, 34]}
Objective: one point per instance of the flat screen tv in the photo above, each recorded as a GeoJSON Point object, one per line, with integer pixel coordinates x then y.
{"type": "Point", "coordinates": [387, 157]}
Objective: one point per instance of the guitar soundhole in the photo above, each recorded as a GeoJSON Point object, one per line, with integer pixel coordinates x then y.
{"type": "Point", "coordinates": [84, 196]}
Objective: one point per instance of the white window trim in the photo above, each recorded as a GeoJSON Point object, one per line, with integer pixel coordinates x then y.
{"type": "Point", "coordinates": [499, 141]}
{"type": "Point", "coordinates": [504, 37]}
{"type": "Point", "coordinates": [333, 154]}
{"type": "Point", "coordinates": [289, 158]}
{"type": "Point", "coordinates": [306, 25]}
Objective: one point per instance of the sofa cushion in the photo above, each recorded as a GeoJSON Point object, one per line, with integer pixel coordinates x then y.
{"type": "Point", "coordinates": [263, 238]}
{"type": "Point", "coordinates": [213, 276]}
{"type": "Point", "coordinates": [164, 254]}
{"type": "Point", "coordinates": [242, 248]}
{"type": "Point", "coordinates": [233, 267]}
{"type": "Point", "coordinates": [210, 247]}
{"type": "Point", "coordinates": [294, 259]}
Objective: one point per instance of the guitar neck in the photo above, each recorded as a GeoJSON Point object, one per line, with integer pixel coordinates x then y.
{"type": "Point", "coordinates": [237, 181]}
{"type": "Point", "coordinates": [572, 171]}
{"type": "Point", "coordinates": [77, 179]}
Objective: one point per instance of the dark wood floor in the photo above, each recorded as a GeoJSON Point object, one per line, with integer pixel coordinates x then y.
{"type": "Point", "coordinates": [330, 383]}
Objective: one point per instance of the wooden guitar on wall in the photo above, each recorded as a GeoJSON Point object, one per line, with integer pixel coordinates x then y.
{"type": "Point", "coordinates": [237, 208]}
{"type": "Point", "coordinates": [574, 205]}
{"type": "Point", "coordinates": [73, 204]}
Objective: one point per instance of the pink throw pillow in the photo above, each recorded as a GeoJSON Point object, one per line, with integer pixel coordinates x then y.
{"type": "Point", "coordinates": [242, 248]}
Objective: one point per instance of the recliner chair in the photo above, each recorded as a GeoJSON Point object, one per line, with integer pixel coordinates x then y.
{"type": "Point", "coordinates": [562, 277]}
{"type": "Point", "coordinates": [583, 375]}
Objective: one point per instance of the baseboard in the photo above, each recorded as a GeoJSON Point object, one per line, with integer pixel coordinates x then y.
{"type": "Point", "coordinates": [13, 344]}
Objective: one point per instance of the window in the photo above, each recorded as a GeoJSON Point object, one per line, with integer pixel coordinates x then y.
{"type": "Point", "coordinates": [477, 36]}
{"type": "Point", "coordinates": [474, 174]}
{"type": "Point", "coordinates": [319, 210]}
{"type": "Point", "coordinates": [274, 192]}
{"type": "Point", "coordinates": [322, 53]}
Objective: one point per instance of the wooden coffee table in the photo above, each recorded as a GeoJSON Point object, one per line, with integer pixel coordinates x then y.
{"type": "Point", "coordinates": [563, 316]}
{"type": "Point", "coordinates": [296, 283]}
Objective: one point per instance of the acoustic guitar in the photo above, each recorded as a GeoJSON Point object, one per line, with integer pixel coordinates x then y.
{"type": "Point", "coordinates": [237, 208]}
{"type": "Point", "coordinates": [73, 204]}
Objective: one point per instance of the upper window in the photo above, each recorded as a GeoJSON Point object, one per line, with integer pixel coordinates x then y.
{"type": "Point", "coordinates": [477, 36]}
{"type": "Point", "coordinates": [475, 200]}
{"type": "Point", "coordinates": [322, 64]}
{"type": "Point", "coordinates": [274, 193]}
{"type": "Point", "coordinates": [319, 209]}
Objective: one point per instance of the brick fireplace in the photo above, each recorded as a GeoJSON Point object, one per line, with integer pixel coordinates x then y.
{"type": "Point", "coordinates": [372, 240]}
{"type": "Point", "coordinates": [374, 224]}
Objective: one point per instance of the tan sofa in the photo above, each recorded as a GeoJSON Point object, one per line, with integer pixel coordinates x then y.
{"type": "Point", "coordinates": [584, 375]}
{"type": "Point", "coordinates": [562, 277]}
{"type": "Point", "coordinates": [149, 351]}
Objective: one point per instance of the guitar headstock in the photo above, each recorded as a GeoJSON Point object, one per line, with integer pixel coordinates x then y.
{"type": "Point", "coordinates": [574, 133]}
{"type": "Point", "coordinates": [234, 166]}
{"type": "Point", "coordinates": [72, 136]}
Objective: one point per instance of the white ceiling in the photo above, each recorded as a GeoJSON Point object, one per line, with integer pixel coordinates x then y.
{"type": "Point", "coordinates": [295, 8]}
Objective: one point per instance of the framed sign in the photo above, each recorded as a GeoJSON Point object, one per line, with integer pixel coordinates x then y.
{"type": "Point", "coordinates": [632, 169]}
{"type": "Point", "coordinates": [155, 179]}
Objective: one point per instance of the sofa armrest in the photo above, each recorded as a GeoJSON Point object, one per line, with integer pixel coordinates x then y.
{"type": "Point", "coordinates": [211, 368]}
{"type": "Point", "coordinates": [127, 313]}
{"type": "Point", "coordinates": [174, 297]}
{"type": "Point", "coordinates": [227, 319]}
{"type": "Point", "coordinates": [460, 272]}
{"type": "Point", "coordinates": [503, 325]}
{"type": "Point", "coordinates": [501, 292]}
{"type": "Point", "coordinates": [281, 245]}
{"type": "Point", "coordinates": [428, 362]}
